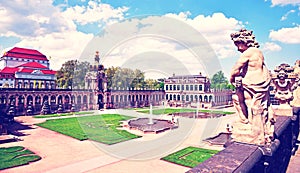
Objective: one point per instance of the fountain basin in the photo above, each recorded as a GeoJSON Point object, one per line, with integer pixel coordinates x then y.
{"type": "Point", "coordinates": [158, 126]}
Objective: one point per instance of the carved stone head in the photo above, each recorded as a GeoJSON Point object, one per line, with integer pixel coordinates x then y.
{"type": "Point", "coordinates": [244, 36]}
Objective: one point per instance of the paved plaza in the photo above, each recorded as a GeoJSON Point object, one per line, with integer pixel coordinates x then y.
{"type": "Point", "coordinates": [61, 153]}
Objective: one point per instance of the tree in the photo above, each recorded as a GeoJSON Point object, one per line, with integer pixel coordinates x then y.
{"type": "Point", "coordinates": [72, 74]}
{"type": "Point", "coordinates": [219, 81]}
{"type": "Point", "coordinates": [45, 108]}
{"type": "Point", "coordinates": [79, 74]}
{"type": "Point", "coordinates": [124, 78]}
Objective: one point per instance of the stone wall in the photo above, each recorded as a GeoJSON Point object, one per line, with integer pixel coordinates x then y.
{"type": "Point", "coordinates": [241, 157]}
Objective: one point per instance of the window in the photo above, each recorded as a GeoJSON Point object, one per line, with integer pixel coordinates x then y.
{"type": "Point", "coordinates": [170, 87]}
{"type": "Point", "coordinates": [191, 87]}
{"type": "Point", "coordinates": [200, 88]}
{"type": "Point", "coordinates": [182, 87]}
{"type": "Point", "coordinates": [19, 85]}
{"type": "Point", "coordinates": [174, 87]}
{"type": "Point", "coordinates": [112, 98]}
{"type": "Point", "coordinates": [187, 87]}
{"type": "Point", "coordinates": [196, 87]}
{"type": "Point", "coordinates": [167, 87]}
{"type": "Point", "coordinates": [178, 87]}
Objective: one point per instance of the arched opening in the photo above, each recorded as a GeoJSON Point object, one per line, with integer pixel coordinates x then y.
{"type": "Point", "coordinates": [29, 99]}
{"type": "Point", "coordinates": [45, 98]}
{"type": "Point", "coordinates": [37, 100]}
{"type": "Point", "coordinates": [100, 101]}
{"type": "Point", "coordinates": [59, 99]}
{"type": "Point", "coordinates": [79, 99]}
{"type": "Point", "coordinates": [53, 100]}
{"type": "Point", "coordinates": [20, 106]}
{"type": "Point", "coordinates": [2, 99]}
{"type": "Point", "coordinates": [67, 104]}
{"type": "Point", "coordinates": [205, 98]}
{"type": "Point", "coordinates": [84, 102]}
{"type": "Point", "coordinates": [210, 98]}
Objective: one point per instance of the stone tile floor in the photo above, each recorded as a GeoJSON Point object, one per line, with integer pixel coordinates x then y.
{"type": "Point", "coordinates": [61, 153]}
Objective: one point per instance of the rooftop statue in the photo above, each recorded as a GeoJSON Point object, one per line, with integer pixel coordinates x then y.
{"type": "Point", "coordinates": [296, 92]}
{"type": "Point", "coordinates": [252, 80]}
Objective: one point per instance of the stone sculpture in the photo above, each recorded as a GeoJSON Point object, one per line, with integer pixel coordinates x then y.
{"type": "Point", "coordinates": [296, 93]}
{"type": "Point", "coordinates": [252, 80]}
{"type": "Point", "coordinates": [284, 81]}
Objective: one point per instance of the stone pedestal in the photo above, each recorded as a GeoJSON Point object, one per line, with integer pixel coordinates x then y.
{"type": "Point", "coordinates": [247, 133]}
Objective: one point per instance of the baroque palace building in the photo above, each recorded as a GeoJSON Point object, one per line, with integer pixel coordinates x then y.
{"type": "Point", "coordinates": [26, 68]}
{"type": "Point", "coordinates": [28, 82]}
{"type": "Point", "coordinates": [190, 90]}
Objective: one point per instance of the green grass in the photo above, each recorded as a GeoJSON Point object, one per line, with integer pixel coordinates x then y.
{"type": "Point", "coordinates": [101, 128]}
{"type": "Point", "coordinates": [63, 114]}
{"type": "Point", "coordinates": [190, 156]}
{"type": "Point", "coordinates": [16, 156]}
{"type": "Point", "coordinates": [170, 111]}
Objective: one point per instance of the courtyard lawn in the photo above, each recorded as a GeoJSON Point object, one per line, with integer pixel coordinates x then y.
{"type": "Point", "coordinates": [170, 111]}
{"type": "Point", "coordinates": [62, 114]}
{"type": "Point", "coordinates": [190, 156]}
{"type": "Point", "coordinates": [101, 128]}
{"type": "Point", "coordinates": [16, 156]}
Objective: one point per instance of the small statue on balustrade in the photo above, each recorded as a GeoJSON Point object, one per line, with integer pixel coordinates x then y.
{"type": "Point", "coordinates": [252, 80]}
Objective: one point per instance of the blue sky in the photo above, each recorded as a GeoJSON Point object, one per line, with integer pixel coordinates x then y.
{"type": "Point", "coordinates": [62, 28]}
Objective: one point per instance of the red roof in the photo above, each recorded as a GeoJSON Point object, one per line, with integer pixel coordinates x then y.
{"type": "Point", "coordinates": [25, 54]}
{"type": "Point", "coordinates": [48, 71]}
{"type": "Point", "coordinates": [33, 65]}
{"type": "Point", "coordinates": [10, 70]}
{"type": "Point", "coordinates": [25, 70]}
{"type": "Point", "coordinates": [13, 70]}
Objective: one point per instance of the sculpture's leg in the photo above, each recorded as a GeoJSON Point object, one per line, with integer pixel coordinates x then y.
{"type": "Point", "coordinates": [268, 120]}
{"type": "Point", "coordinates": [240, 106]}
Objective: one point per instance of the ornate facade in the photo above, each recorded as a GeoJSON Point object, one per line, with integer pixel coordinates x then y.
{"type": "Point", "coordinates": [26, 68]}
{"type": "Point", "coordinates": [30, 88]}
{"type": "Point", "coordinates": [192, 89]}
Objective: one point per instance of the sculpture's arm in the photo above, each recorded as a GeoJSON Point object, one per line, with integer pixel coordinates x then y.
{"type": "Point", "coordinates": [236, 70]}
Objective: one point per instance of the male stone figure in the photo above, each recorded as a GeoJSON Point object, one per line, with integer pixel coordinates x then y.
{"type": "Point", "coordinates": [252, 79]}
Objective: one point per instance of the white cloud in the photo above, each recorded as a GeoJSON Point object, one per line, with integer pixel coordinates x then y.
{"type": "Point", "coordinates": [44, 27]}
{"type": "Point", "coordinates": [284, 17]}
{"type": "Point", "coordinates": [216, 29]}
{"type": "Point", "coordinates": [31, 18]}
{"type": "Point", "coordinates": [286, 35]}
{"type": "Point", "coordinates": [270, 46]}
{"type": "Point", "coordinates": [61, 47]}
{"type": "Point", "coordinates": [95, 12]}
{"type": "Point", "coordinates": [285, 2]}
{"type": "Point", "coordinates": [168, 45]}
